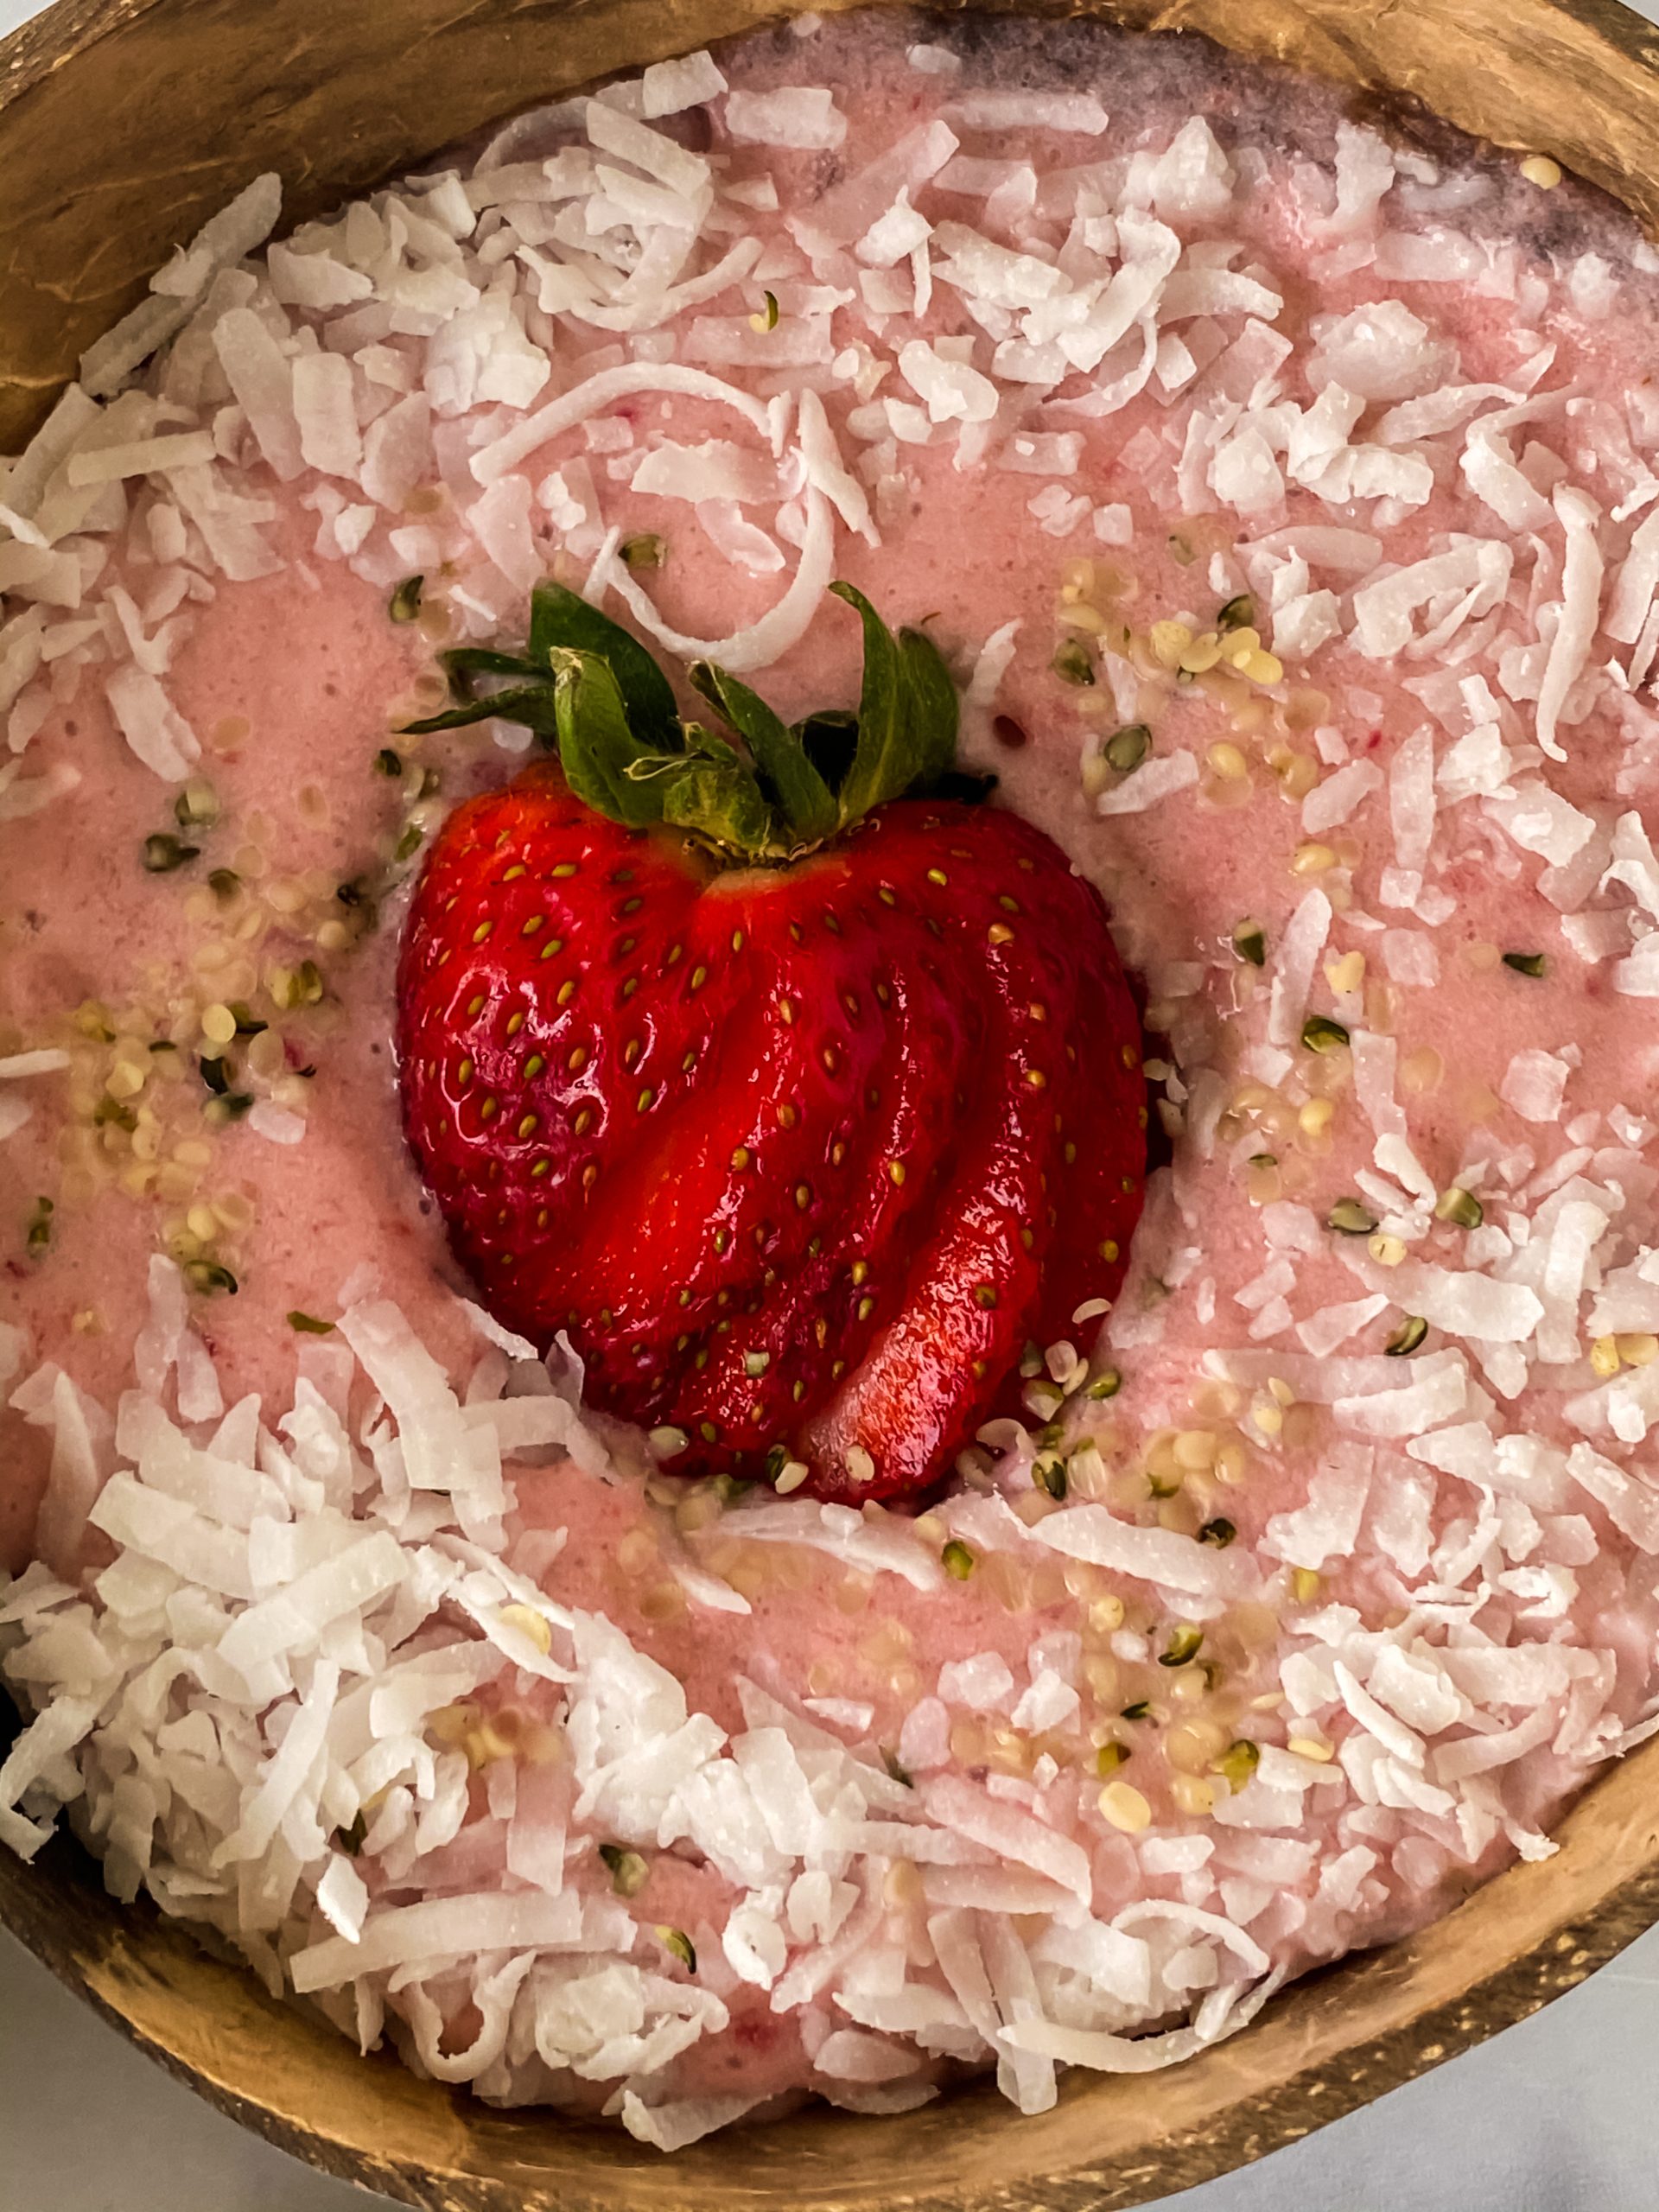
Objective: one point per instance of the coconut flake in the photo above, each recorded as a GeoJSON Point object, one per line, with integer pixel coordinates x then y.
{"type": "Point", "coordinates": [1478, 764]}
{"type": "Point", "coordinates": [844, 1534]}
{"type": "Point", "coordinates": [1634, 864]}
{"type": "Point", "coordinates": [1402, 1743]}
{"type": "Point", "coordinates": [437, 1931]}
{"type": "Point", "coordinates": [1569, 649]}
{"type": "Point", "coordinates": [669, 87]}
{"type": "Point", "coordinates": [848, 210]}
{"type": "Point", "coordinates": [45, 1060]}
{"type": "Point", "coordinates": [894, 235]}
{"type": "Point", "coordinates": [398, 452]}
{"type": "Point", "coordinates": [325, 410]}
{"type": "Point", "coordinates": [1364, 174]}
{"type": "Point", "coordinates": [1534, 1084]}
{"type": "Point", "coordinates": [262, 377]}
{"type": "Point", "coordinates": [1637, 581]}
{"type": "Point", "coordinates": [1540, 821]}
{"type": "Point", "coordinates": [675, 2125]}
{"type": "Point", "coordinates": [598, 394]}
{"type": "Point", "coordinates": [653, 152]}
{"type": "Point", "coordinates": [1010, 1834]}
{"type": "Point", "coordinates": [713, 470]}
{"type": "Point", "coordinates": [1156, 1555]}
{"type": "Point", "coordinates": [1326, 1527]}
{"type": "Point", "coordinates": [1490, 469]}
{"type": "Point", "coordinates": [140, 457]}
{"type": "Point", "coordinates": [766, 639]}
{"type": "Point", "coordinates": [982, 1683]}
{"type": "Point", "coordinates": [801, 116]}
{"type": "Point", "coordinates": [42, 1746]}
{"type": "Point", "coordinates": [157, 733]}
{"type": "Point", "coordinates": [1434, 1394]}
{"type": "Point", "coordinates": [1479, 569]}
{"type": "Point", "coordinates": [1334, 1324]}
{"type": "Point", "coordinates": [1380, 351]}
{"type": "Point", "coordinates": [952, 391]}
{"type": "Point", "coordinates": [1079, 113]}
{"type": "Point", "coordinates": [1296, 959]}
{"type": "Point", "coordinates": [828, 473]}
{"type": "Point", "coordinates": [1411, 799]}
{"type": "Point", "coordinates": [1159, 779]}
{"type": "Point", "coordinates": [1638, 976]}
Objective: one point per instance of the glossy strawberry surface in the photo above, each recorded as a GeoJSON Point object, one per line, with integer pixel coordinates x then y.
{"type": "Point", "coordinates": [801, 1156]}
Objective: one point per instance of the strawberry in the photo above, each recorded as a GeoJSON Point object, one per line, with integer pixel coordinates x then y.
{"type": "Point", "coordinates": [801, 1091]}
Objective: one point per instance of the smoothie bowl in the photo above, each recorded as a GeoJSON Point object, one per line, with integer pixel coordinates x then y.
{"type": "Point", "coordinates": [824, 1078]}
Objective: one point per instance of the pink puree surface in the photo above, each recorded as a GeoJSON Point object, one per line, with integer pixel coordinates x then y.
{"type": "Point", "coordinates": [309, 659]}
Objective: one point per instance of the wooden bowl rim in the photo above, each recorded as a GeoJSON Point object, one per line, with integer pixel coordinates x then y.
{"type": "Point", "coordinates": [1334, 2040]}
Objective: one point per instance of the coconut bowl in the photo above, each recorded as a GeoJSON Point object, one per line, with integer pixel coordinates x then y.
{"type": "Point", "coordinates": [122, 124]}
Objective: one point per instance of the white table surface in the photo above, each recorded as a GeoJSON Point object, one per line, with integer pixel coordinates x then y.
{"type": "Point", "coordinates": [1555, 2116]}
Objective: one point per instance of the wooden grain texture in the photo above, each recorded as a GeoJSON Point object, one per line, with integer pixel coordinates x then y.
{"type": "Point", "coordinates": [122, 123]}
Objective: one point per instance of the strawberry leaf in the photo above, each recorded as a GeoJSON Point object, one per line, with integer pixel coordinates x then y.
{"type": "Point", "coordinates": [528, 700]}
{"type": "Point", "coordinates": [721, 801]}
{"type": "Point", "coordinates": [586, 685]}
{"type": "Point", "coordinates": [604, 763]}
{"type": "Point", "coordinates": [699, 739]}
{"type": "Point", "coordinates": [906, 714]}
{"type": "Point", "coordinates": [830, 739]}
{"type": "Point", "coordinates": [785, 773]}
{"type": "Point", "coordinates": [932, 704]}
{"type": "Point", "coordinates": [465, 661]}
{"type": "Point", "coordinates": [561, 621]}
{"type": "Point", "coordinates": [533, 704]}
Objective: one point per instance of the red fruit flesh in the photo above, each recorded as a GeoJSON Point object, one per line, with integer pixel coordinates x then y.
{"type": "Point", "coordinates": [799, 1157]}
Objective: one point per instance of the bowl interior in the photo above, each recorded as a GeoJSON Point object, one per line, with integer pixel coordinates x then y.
{"type": "Point", "coordinates": [338, 99]}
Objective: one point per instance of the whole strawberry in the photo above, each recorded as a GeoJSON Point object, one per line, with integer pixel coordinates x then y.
{"type": "Point", "coordinates": [804, 1095]}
